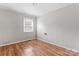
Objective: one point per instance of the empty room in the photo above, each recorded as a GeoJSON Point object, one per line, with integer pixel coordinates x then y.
{"type": "Point", "coordinates": [39, 29]}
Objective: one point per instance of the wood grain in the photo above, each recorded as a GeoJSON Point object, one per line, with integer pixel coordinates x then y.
{"type": "Point", "coordinates": [35, 48]}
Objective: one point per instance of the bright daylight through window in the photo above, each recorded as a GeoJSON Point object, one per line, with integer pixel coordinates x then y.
{"type": "Point", "coordinates": [28, 25]}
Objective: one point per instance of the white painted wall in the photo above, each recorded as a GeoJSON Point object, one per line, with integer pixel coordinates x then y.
{"type": "Point", "coordinates": [61, 26]}
{"type": "Point", "coordinates": [11, 27]}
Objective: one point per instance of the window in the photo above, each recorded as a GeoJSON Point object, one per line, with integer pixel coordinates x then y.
{"type": "Point", "coordinates": [28, 25]}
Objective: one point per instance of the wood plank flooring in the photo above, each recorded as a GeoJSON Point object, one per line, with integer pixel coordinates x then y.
{"type": "Point", "coordinates": [35, 48]}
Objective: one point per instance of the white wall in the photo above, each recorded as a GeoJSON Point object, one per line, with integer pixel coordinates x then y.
{"type": "Point", "coordinates": [61, 26]}
{"type": "Point", "coordinates": [11, 27]}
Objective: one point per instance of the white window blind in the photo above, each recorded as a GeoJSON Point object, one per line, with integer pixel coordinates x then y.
{"type": "Point", "coordinates": [28, 25]}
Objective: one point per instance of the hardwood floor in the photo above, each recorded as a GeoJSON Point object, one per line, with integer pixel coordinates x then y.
{"type": "Point", "coordinates": [35, 48]}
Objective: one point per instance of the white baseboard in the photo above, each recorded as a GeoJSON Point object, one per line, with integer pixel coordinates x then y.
{"type": "Point", "coordinates": [15, 42]}
{"type": "Point", "coordinates": [58, 45]}
{"type": "Point", "coordinates": [41, 40]}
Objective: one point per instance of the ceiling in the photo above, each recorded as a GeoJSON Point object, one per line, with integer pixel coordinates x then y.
{"type": "Point", "coordinates": [36, 9]}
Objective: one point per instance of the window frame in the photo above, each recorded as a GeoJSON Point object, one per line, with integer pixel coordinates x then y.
{"type": "Point", "coordinates": [26, 26]}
